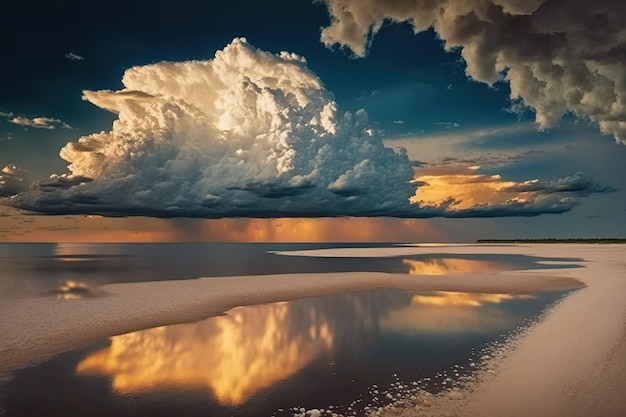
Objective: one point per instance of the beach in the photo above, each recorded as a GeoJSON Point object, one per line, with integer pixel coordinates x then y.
{"type": "Point", "coordinates": [571, 363]}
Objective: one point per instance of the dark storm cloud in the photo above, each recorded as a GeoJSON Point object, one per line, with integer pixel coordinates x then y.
{"type": "Point", "coordinates": [558, 56]}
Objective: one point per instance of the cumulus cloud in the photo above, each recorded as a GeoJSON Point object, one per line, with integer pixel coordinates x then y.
{"type": "Point", "coordinates": [74, 57]}
{"type": "Point", "coordinates": [12, 180]}
{"type": "Point", "coordinates": [558, 56]}
{"type": "Point", "coordinates": [38, 122]}
{"type": "Point", "coordinates": [246, 134]}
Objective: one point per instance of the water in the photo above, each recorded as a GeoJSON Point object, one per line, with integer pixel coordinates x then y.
{"type": "Point", "coordinates": [63, 269]}
{"type": "Point", "coordinates": [256, 360]}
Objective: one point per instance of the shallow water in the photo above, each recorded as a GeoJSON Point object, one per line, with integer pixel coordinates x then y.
{"type": "Point", "coordinates": [75, 270]}
{"type": "Point", "coordinates": [258, 360]}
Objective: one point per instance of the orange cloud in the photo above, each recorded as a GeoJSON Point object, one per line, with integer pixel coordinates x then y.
{"type": "Point", "coordinates": [464, 191]}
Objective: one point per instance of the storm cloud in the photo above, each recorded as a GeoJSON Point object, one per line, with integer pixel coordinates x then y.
{"type": "Point", "coordinates": [248, 133]}
{"type": "Point", "coordinates": [558, 56]}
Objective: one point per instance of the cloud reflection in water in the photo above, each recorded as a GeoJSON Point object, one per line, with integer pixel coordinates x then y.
{"type": "Point", "coordinates": [453, 313]}
{"type": "Point", "coordinates": [233, 356]}
{"type": "Point", "coordinates": [447, 266]}
{"type": "Point", "coordinates": [250, 349]}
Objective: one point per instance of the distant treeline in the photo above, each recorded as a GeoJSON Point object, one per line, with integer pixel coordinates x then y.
{"type": "Point", "coordinates": [601, 241]}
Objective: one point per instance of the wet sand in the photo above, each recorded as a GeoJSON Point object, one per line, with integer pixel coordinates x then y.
{"type": "Point", "coordinates": [570, 364]}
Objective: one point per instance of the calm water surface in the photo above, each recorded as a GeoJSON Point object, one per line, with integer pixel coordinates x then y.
{"type": "Point", "coordinates": [63, 269]}
{"type": "Point", "coordinates": [257, 360]}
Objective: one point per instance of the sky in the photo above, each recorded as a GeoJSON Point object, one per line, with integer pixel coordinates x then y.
{"type": "Point", "coordinates": [301, 120]}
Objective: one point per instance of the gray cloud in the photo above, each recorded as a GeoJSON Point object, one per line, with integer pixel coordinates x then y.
{"type": "Point", "coordinates": [558, 56]}
{"type": "Point", "coordinates": [74, 57]}
{"type": "Point", "coordinates": [574, 185]}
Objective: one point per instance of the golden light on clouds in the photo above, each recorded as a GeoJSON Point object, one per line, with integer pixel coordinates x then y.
{"type": "Point", "coordinates": [464, 191]}
{"type": "Point", "coordinates": [233, 356]}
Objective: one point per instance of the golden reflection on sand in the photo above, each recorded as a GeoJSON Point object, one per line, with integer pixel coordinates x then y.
{"type": "Point", "coordinates": [443, 266]}
{"type": "Point", "coordinates": [455, 299]}
{"type": "Point", "coordinates": [234, 356]}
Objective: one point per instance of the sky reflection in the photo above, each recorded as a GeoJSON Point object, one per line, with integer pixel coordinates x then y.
{"type": "Point", "coordinates": [238, 355]}
{"type": "Point", "coordinates": [233, 356]}
{"type": "Point", "coordinates": [447, 266]}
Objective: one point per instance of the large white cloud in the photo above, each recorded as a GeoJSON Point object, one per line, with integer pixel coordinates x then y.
{"type": "Point", "coordinates": [248, 133]}
{"type": "Point", "coordinates": [558, 56]}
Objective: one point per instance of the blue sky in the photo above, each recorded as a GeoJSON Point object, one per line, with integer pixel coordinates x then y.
{"type": "Point", "coordinates": [475, 153]}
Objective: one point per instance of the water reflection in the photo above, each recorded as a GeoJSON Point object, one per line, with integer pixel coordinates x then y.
{"type": "Point", "coordinates": [252, 348]}
{"type": "Point", "coordinates": [453, 312]}
{"type": "Point", "coordinates": [73, 290]}
{"type": "Point", "coordinates": [455, 299]}
{"type": "Point", "coordinates": [69, 251]}
{"type": "Point", "coordinates": [447, 266]}
{"type": "Point", "coordinates": [233, 356]}
{"type": "Point", "coordinates": [30, 270]}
